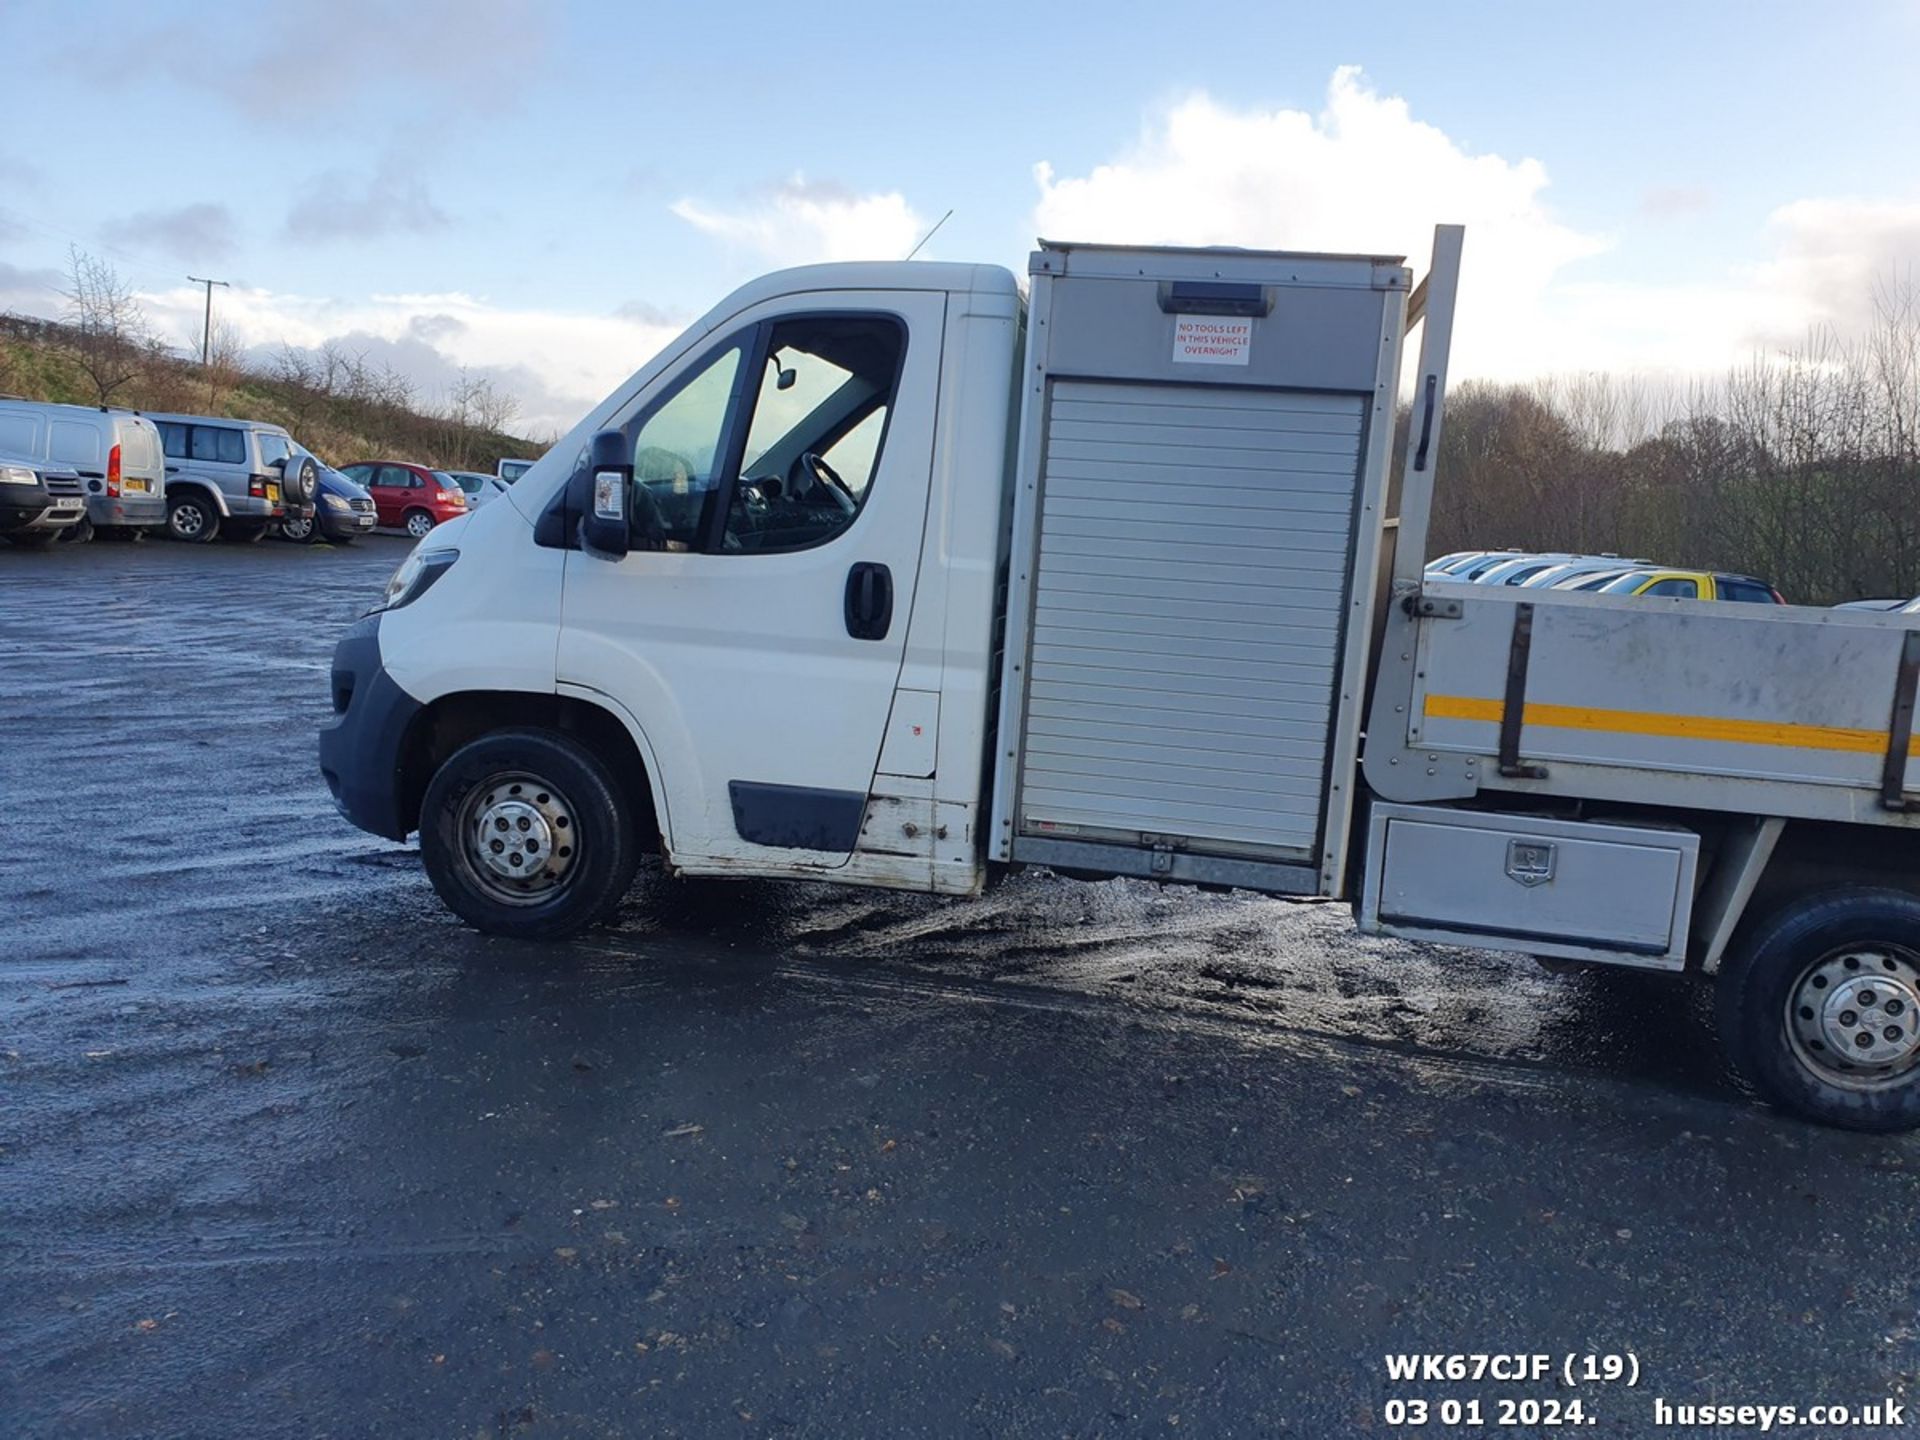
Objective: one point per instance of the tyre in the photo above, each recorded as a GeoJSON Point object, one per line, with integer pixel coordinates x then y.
{"type": "Point", "coordinates": [192, 518]}
{"type": "Point", "coordinates": [418, 523]}
{"type": "Point", "coordinates": [527, 833]}
{"type": "Point", "coordinates": [79, 534]}
{"type": "Point", "coordinates": [300, 532]}
{"type": "Point", "coordinates": [1818, 1008]}
{"type": "Point", "coordinates": [301, 479]}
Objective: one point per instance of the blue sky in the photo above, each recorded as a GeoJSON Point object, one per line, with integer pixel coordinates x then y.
{"type": "Point", "coordinates": [544, 192]}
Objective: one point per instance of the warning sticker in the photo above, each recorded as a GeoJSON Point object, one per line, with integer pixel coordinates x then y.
{"type": "Point", "coordinates": [1211, 340]}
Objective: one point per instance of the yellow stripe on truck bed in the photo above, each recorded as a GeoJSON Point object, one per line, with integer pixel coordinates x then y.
{"type": "Point", "coordinates": [1679, 727]}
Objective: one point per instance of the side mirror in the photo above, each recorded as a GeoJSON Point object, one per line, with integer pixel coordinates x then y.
{"type": "Point", "coordinates": [604, 530]}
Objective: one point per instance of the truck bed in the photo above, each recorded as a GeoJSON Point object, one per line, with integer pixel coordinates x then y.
{"type": "Point", "coordinates": [1758, 709]}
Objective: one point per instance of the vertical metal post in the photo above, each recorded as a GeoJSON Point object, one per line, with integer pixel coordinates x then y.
{"type": "Point", "coordinates": [206, 332]}
{"type": "Point", "coordinates": [1431, 306]}
{"type": "Point", "coordinates": [1893, 772]}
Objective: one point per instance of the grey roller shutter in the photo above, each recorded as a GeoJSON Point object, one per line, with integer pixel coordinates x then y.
{"type": "Point", "coordinates": [1192, 578]}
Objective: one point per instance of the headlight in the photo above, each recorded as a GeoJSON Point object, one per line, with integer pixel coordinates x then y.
{"type": "Point", "coordinates": [415, 577]}
{"type": "Point", "coordinates": [335, 502]}
{"type": "Point", "coordinates": [17, 475]}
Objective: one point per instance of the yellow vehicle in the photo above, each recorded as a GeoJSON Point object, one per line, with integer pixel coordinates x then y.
{"type": "Point", "coordinates": [1693, 585]}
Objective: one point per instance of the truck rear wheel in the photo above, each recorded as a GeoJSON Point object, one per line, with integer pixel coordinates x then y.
{"type": "Point", "coordinates": [1818, 1010]}
{"type": "Point", "coordinates": [527, 833]}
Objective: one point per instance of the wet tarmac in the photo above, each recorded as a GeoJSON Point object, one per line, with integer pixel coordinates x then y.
{"type": "Point", "coordinates": [286, 1150]}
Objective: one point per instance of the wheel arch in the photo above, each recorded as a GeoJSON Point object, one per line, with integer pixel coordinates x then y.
{"type": "Point", "coordinates": [445, 724]}
{"type": "Point", "coordinates": [212, 492]}
{"type": "Point", "coordinates": [1803, 858]}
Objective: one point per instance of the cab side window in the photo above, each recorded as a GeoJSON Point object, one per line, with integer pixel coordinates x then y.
{"type": "Point", "coordinates": [819, 415]}
{"type": "Point", "coordinates": [1685, 589]}
{"type": "Point", "coordinates": [676, 452]}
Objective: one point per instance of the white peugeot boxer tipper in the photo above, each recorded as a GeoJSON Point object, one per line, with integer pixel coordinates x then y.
{"type": "Point", "coordinates": [881, 574]}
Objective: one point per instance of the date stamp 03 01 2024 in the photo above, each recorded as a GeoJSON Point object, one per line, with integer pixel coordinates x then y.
{"type": "Point", "coordinates": [1593, 1375]}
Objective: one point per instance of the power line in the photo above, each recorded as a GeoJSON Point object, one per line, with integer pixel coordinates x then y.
{"type": "Point", "coordinates": [206, 335]}
{"type": "Point", "coordinates": [130, 263]}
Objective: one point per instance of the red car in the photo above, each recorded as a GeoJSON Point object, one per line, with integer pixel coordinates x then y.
{"type": "Point", "coordinates": [410, 496]}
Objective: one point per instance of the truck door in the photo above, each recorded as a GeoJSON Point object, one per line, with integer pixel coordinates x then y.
{"type": "Point", "coordinates": [782, 468]}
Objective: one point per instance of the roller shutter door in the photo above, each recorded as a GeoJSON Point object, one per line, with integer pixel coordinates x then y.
{"type": "Point", "coordinates": [1192, 578]}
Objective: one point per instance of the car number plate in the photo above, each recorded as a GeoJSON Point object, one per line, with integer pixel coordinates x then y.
{"type": "Point", "coordinates": [69, 503]}
{"type": "Point", "coordinates": [273, 493]}
{"type": "Point", "coordinates": [141, 486]}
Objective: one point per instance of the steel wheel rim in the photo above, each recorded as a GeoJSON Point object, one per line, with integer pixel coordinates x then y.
{"type": "Point", "coordinates": [296, 529]}
{"type": "Point", "coordinates": [187, 520]}
{"type": "Point", "coordinates": [419, 526]}
{"type": "Point", "coordinates": [1853, 1016]}
{"type": "Point", "coordinates": [519, 838]}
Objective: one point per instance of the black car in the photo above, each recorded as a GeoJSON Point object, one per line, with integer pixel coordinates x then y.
{"type": "Point", "coordinates": [38, 502]}
{"type": "Point", "coordinates": [342, 510]}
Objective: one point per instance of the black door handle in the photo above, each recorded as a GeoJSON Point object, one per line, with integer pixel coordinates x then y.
{"type": "Point", "coordinates": [869, 602]}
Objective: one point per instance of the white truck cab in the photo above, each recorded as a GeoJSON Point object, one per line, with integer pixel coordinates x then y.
{"type": "Point", "coordinates": [888, 575]}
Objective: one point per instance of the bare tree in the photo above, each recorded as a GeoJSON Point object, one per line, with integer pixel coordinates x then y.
{"type": "Point", "coordinates": [493, 408]}
{"type": "Point", "coordinates": [226, 363]}
{"type": "Point", "coordinates": [110, 334]}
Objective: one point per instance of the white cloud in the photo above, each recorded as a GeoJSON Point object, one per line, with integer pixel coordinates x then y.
{"type": "Point", "coordinates": [557, 365]}
{"type": "Point", "coordinates": [1365, 175]}
{"type": "Point", "coordinates": [1362, 175]}
{"type": "Point", "coordinates": [800, 222]}
{"type": "Point", "coordinates": [1825, 260]}
{"type": "Point", "coordinates": [1831, 253]}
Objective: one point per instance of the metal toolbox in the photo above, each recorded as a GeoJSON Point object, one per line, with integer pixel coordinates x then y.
{"type": "Point", "coordinates": [1567, 888]}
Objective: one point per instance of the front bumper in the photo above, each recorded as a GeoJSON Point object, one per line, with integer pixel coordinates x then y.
{"type": "Point", "coordinates": [335, 524]}
{"type": "Point", "coordinates": [21, 506]}
{"type": "Point", "coordinates": [364, 743]}
{"type": "Point", "coordinates": [58, 517]}
{"type": "Point", "coordinates": [134, 512]}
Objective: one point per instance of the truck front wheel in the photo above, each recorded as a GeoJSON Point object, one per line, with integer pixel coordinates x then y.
{"type": "Point", "coordinates": [527, 833]}
{"type": "Point", "coordinates": [1818, 1009]}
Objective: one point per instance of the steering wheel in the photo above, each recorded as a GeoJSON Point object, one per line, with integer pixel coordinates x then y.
{"type": "Point", "coordinates": [823, 476]}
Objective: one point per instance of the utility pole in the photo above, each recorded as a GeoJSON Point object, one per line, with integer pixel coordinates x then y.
{"type": "Point", "coordinates": [206, 335]}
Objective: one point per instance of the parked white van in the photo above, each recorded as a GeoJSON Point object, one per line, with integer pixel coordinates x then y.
{"type": "Point", "coordinates": [116, 453]}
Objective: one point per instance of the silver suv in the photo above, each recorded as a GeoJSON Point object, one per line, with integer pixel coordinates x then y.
{"type": "Point", "coordinates": [238, 478]}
